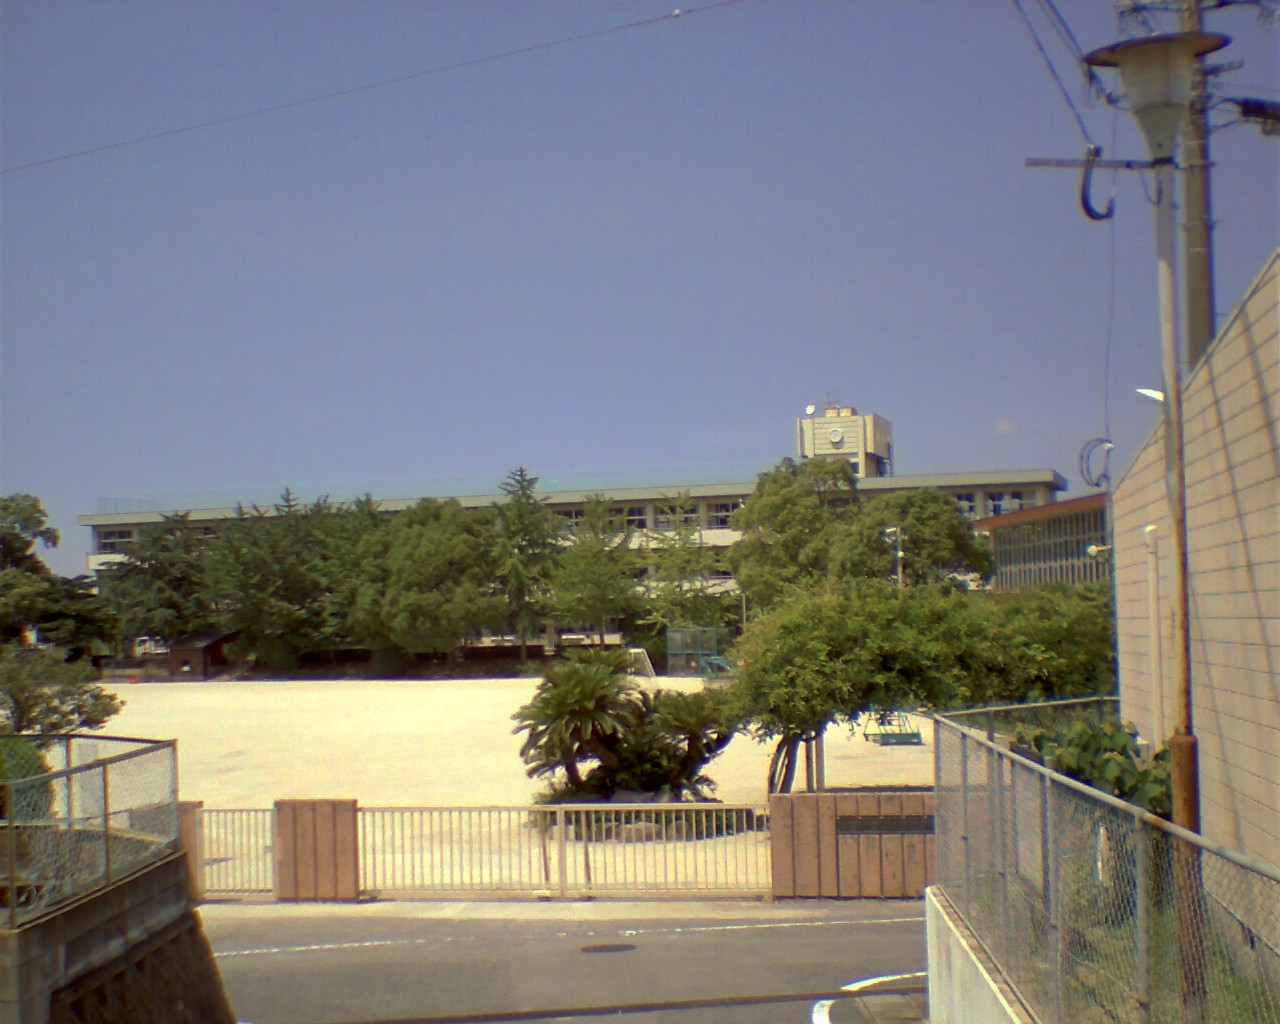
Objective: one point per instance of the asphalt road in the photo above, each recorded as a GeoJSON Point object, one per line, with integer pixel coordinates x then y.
{"type": "Point", "coordinates": [657, 963]}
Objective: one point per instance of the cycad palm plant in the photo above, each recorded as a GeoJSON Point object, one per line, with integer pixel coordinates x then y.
{"type": "Point", "coordinates": [580, 712]}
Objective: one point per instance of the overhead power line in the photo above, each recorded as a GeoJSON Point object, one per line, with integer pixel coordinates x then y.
{"type": "Point", "coordinates": [1053, 72]}
{"type": "Point", "coordinates": [370, 86]}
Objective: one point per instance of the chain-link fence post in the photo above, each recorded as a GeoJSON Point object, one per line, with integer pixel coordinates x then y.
{"type": "Point", "coordinates": [964, 820]}
{"type": "Point", "coordinates": [12, 854]}
{"type": "Point", "coordinates": [1002, 865]}
{"type": "Point", "coordinates": [106, 827]}
{"type": "Point", "coordinates": [1189, 914]}
{"type": "Point", "coordinates": [1055, 899]}
{"type": "Point", "coordinates": [1142, 919]}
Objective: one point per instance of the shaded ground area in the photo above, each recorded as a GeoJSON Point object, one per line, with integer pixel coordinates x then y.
{"type": "Point", "coordinates": [413, 743]}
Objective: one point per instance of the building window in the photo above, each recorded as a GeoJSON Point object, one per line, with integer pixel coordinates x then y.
{"type": "Point", "coordinates": [637, 518]}
{"type": "Point", "coordinates": [967, 505]}
{"type": "Point", "coordinates": [996, 503]}
{"type": "Point", "coordinates": [1015, 502]}
{"type": "Point", "coordinates": [671, 517]}
{"type": "Point", "coordinates": [571, 516]}
{"type": "Point", "coordinates": [718, 514]}
{"type": "Point", "coordinates": [113, 540]}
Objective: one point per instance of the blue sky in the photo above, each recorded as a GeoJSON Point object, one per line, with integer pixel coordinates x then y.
{"type": "Point", "coordinates": [630, 258]}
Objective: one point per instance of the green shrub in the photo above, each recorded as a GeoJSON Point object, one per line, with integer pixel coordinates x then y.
{"type": "Point", "coordinates": [20, 758]}
{"type": "Point", "coordinates": [1104, 755]}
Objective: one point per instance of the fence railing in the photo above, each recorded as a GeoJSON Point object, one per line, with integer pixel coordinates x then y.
{"type": "Point", "coordinates": [568, 850]}
{"type": "Point", "coordinates": [237, 854]}
{"type": "Point", "coordinates": [1093, 909]}
{"type": "Point", "coordinates": [107, 807]}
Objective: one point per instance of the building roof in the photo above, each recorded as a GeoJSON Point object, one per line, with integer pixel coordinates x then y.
{"type": "Point", "coordinates": [621, 495]}
{"type": "Point", "coordinates": [1040, 513]}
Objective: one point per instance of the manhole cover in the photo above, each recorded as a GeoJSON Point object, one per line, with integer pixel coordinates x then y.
{"type": "Point", "coordinates": [609, 947]}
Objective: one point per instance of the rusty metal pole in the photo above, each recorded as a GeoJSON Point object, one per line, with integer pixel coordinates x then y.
{"type": "Point", "coordinates": [1200, 323]}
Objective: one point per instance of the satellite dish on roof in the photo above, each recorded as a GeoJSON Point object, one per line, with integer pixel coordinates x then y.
{"type": "Point", "coordinates": [809, 410]}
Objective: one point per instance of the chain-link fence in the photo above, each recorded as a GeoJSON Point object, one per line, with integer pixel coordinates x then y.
{"type": "Point", "coordinates": [1051, 714]}
{"type": "Point", "coordinates": [1093, 909]}
{"type": "Point", "coordinates": [83, 812]}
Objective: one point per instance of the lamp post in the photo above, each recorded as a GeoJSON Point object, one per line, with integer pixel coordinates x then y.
{"type": "Point", "coordinates": [1156, 74]}
{"type": "Point", "coordinates": [894, 534]}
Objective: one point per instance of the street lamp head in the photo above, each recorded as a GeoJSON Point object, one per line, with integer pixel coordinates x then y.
{"type": "Point", "coordinates": [1155, 73]}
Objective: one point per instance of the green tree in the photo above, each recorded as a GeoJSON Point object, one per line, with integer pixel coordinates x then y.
{"type": "Point", "coordinates": [528, 536]}
{"type": "Point", "coordinates": [833, 654]}
{"type": "Point", "coordinates": [938, 542]}
{"type": "Point", "coordinates": [788, 525]}
{"type": "Point", "coordinates": [23, 524]}
{"type": "Point", "coordinates": [595, 576]}
{"type": "Point", "coordinates": [273, 575]}
{"type": "Point", "coordinates": [61, 610]}
{"type": "Point", "coordinates": [1054, 641]}
{"type": "Point", "coordinates": [428, 580]}
{"type": "Point", "coordinates": [681, 588]}
{"type": "Point", "coordinates": [43, 694]}
{"type": "Point", "coordinates": [161, 588]}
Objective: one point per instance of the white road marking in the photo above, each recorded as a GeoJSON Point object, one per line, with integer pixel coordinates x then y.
{"type": "Point", "coordinates": [821, 1012]}
{"type": "Point", "coordinates": [324, 947]}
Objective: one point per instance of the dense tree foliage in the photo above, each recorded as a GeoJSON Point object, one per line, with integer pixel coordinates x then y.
{"type": "Point", "coordinates": [832, 654]}
{"type": "Point", "coordinates": [681, 588]}
{"type": "Point", "coordinates": [594, 579]}
{"type": "Point", "coordinates": [35, 602]}
{"type": "Point", "coordinates": [527, 538]}
{"type": "Point", "coordinates": [428, 580]}
{"type": "Point", "coordinates": [938, 542]}
{"type": "Point", "coordinates": [788, 526]}
{"type": "Point", "coordinates": [273, 575]}
{"type": "Point", "coordinates": [161, 588]}
{"type": "Point", "coordinates": [42, 693]}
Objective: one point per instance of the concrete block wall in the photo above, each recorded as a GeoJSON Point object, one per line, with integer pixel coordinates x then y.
{"type": "Point", "coordinates": [51, 952]}
{"type": "Point", "coordinates": [1232, 434]}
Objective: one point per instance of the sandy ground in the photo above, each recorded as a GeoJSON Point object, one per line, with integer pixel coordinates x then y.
{"type": "Point", "coordinates": [412, 743]}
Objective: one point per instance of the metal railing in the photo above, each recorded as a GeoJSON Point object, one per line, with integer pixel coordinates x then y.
{"type": "Point", "coordinates": [109, 807]}
{"type": "Point", "coordinates": [567, 850]}
{"type": "Point", "coordinates": [1093, 909]}
{"type": "Point", "coordinates": [237, 855]}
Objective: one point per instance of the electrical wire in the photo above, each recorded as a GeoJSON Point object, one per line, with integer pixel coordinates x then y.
{"type": "Point", "coordinates": [1066, 95]}
{"type": "Point", "coordinates": [369, 86]}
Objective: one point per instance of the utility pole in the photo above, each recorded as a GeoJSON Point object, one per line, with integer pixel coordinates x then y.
{"type": "Point", "coordinates": [1199, 320]}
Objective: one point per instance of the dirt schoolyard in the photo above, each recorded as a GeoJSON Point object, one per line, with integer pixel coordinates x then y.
{"type": "Point", "coordinates": [423, 743]}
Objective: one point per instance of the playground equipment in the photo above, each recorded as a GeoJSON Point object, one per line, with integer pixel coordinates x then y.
{"type": "Point", "coordinates": [891, 729]}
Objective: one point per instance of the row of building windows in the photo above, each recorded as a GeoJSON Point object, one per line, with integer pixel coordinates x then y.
{"type": "Point", "coordinates": [1052, 551]}
{"type": "Point", "coordinates": [980, 504]}
{"type": "Point", "coordinates": [113, 540]}
{"type": "Point", "coordinates": [665, 517]}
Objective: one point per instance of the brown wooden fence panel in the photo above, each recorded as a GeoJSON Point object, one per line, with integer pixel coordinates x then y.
{"type": "Point", "coordinates": [806, 849]}
{"type": "Point", "coordinates": [316, 843]}
{"type": "Point", "coordinates": [191, 840]}
{"type": "Point", "coordinates": [871, 845]}
{"type": "Point", "coordinates": [848, 874]}
{"type": "Point", "coordinates": [782, 853]}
